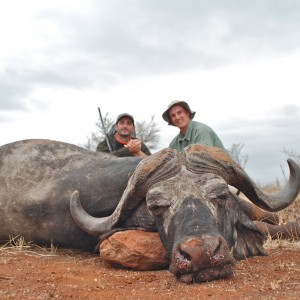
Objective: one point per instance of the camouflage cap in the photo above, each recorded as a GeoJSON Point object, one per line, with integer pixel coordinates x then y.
{"type": "Point", "coordinates": [123, 116]}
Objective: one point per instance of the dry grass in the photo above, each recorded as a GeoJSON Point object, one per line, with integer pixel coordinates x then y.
{"type": "Point", "coordinates": [281, 243]}
{"type": "Point", "coordinates": [18, 243]}
{"type": "Point", "coordinates": [289, 214]}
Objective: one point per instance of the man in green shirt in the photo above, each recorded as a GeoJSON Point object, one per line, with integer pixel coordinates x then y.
{"type": "Point", "coordinates": [180, 115]}
{"type": "Point", "coordinates": [122, 141]}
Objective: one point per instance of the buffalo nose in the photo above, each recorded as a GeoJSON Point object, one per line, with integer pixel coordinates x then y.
{"type": "Point", "coordinates": [201, 253]}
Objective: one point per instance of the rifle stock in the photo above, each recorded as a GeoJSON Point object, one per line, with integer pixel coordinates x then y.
{"type": "Point", "coordinates": [105, 133]}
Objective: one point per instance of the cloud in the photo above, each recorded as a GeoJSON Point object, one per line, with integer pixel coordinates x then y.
{"type": "Point", "coordinates": [101, 44]}
{"type": "Point", "coordinates": [137, 37]}
{"type": "Point", "coordinates": [12, 92]}
{"type": "Point", "coordinates": [5, 119]}
{"type": "Point", "coordinates": [264, 139]}
{"type": "Point", "coordinates": [15, 90]}
{"type": "Point", "coordinates": [58, 58]}
{"type": "Point", "coordinates": [281, 121]}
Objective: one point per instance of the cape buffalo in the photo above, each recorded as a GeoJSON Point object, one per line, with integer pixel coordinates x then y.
{"type": "Point", "coordinates": [182, 195]}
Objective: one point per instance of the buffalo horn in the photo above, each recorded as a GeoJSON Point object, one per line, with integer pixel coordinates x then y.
{"type": "Point", "coordinates": [207, 159]}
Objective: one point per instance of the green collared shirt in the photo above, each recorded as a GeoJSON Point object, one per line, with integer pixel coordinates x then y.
{"type": "Point", "coordinates": [197, 133]}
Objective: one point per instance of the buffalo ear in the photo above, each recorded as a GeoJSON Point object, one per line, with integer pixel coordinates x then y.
{"type": "Point", "coordinates": [248, 240]}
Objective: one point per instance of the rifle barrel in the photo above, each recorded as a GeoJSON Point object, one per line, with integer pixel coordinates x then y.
{"type": "Point", "coordinates": [105, 132]}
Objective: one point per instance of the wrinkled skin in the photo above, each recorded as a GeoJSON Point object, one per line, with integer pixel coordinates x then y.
{"type": "Point", "coordinates": [203, 226]}
{"type": "Point", "coordinates": [37, 178]}
{"type": "Point", "coordinates": [184, 196]}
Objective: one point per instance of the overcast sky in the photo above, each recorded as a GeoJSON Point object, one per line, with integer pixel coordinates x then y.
{"type": "Point", "coordinates": [237, 63]}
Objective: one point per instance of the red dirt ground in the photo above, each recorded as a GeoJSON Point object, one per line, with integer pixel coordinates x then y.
{"type": "Point", "coordinates": [30, 272]}
{"type": "Point", "coordinates": [36, 273]}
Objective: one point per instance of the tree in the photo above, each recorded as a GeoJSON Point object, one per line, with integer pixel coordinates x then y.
{"type": "Point", "coordinates": [146, 131]}
{"type": "Point", "coordinates": [235, 153]}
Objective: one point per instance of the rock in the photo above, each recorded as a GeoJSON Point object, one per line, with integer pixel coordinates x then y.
{"type": "Point", "coordinates": [135, 249]}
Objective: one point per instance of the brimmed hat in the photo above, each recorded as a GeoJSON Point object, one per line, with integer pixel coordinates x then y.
{"type": "Point", "coordinates": [166, 116]}
{"type": "Point", "coordinates": [123, 116]}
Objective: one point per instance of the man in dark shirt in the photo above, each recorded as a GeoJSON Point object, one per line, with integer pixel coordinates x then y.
{"type": "Point", "coordinates": [122, 141]}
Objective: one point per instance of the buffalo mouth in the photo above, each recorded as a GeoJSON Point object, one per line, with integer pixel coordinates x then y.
{"type": "Point", "coordinates": [201, 260]}
{"type": "Point", "coordinates": [206, 275]}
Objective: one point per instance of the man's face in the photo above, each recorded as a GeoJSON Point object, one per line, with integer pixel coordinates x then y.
{"type": "Point", "coordinates": [124, 127]}
{"type": "Point", "coordinates": [179, 116]}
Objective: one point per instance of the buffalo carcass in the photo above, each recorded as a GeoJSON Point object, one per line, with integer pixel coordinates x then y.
{"type": "Point", "coordinates": [37, 179]}
{"type": "Point", "coordinates": [184, 196]}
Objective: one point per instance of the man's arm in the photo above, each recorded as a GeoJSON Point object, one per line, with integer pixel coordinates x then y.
{"type": "Point", "coordinates": [102, 147]}
{"type": "Point", "coordinates": [137, 148]}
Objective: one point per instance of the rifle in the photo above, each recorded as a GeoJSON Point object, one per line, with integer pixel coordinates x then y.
{"type": "Point", "coordinates": [105, 133]}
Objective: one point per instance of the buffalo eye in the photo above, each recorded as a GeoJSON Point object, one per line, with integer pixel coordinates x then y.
{"type": "Point", "coordinates": [217, 196]}
{"type": "Point", "coordinates": [216, 189]}
{"type": "Point", "coordinates": [157, 210]}
{"type": "Point", "coordinates": [154, 209]}
{"type": "Point", "coordinates": [223, 197]}
{"type": "Point", "coordinates": [157, 201]}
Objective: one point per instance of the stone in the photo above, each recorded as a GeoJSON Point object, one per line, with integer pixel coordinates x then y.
{"type": "Point", "coordinates": [136, 249]}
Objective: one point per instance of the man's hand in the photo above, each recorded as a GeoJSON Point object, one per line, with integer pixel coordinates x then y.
{"type": "Point", "coordinates": [135, 147]}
